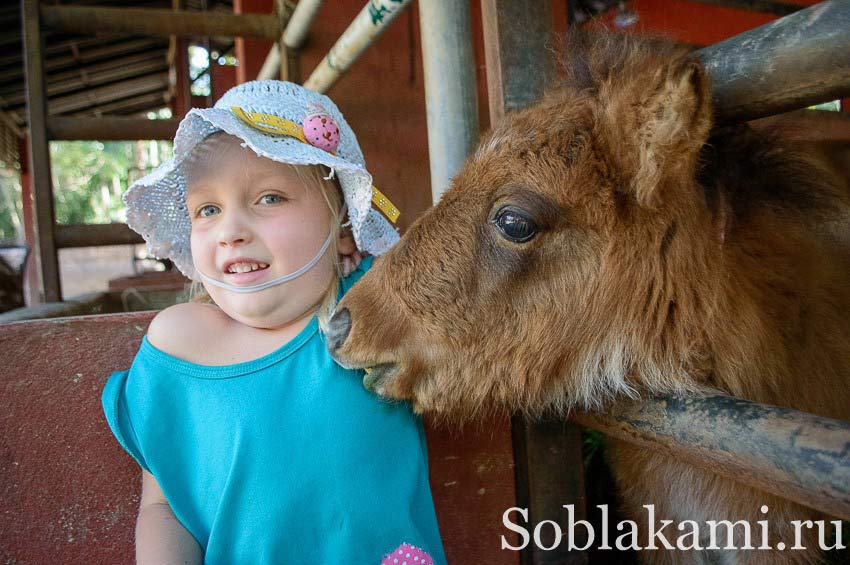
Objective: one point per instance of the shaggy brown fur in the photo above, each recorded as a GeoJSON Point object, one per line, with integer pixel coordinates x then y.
{"type": "Point", "coordinates": [668, 258]}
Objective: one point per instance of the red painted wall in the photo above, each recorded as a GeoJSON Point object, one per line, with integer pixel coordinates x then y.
{"type": "Point", "coordinates": [382, 96]}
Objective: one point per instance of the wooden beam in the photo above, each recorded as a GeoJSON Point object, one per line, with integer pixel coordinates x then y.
{"type": "Point", "coordinates": [794, 455]}
{"type": "Point", "coordinates": [39, 150]}
{"type": "Point", "coordinates": [142, 21]}
{"type": "Point", "coordinates": [110, 128]}
{"type": "Point", "coordinates": [94, 235]}
{"type": "Point", "coordinates": [547, 455]}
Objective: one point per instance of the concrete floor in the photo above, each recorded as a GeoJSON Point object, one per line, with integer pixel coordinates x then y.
{"type": "Point", "coordinates": [89, 269]}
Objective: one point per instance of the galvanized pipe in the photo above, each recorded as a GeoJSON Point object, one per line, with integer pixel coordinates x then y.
{"type": "Point", "coordinates": [789, 63]}
{"type": "Point", "coordinates": [372, 20]}
{"type": "Point", "coordinates": [794, 455]}
{"type": "Point", "coordinates": [450, 90]}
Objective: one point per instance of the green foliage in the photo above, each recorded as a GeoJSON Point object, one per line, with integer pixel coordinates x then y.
{"type": "Point", "coordinates": [11, 218]}
{"type": "Point", "coordinates": [89, 179]}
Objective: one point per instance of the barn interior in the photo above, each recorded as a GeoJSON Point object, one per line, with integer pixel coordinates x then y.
{"type": "Point", "coordinates": [429, 78]}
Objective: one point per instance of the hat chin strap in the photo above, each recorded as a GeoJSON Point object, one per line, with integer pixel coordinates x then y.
{"type": "Point", "coordinates": [277, 281]}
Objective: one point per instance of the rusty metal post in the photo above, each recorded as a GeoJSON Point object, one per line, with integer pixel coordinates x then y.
{"type": "Point", "coordinates": [451, 97]}
{"type": "Point", "coordinates": [794, 455]}
{"type": "Point", "coordinates": [547, 454]}
{"type": "Point", "coordinates": [789, 63]}
{"type": "Point", "coordinates": [45, 253]}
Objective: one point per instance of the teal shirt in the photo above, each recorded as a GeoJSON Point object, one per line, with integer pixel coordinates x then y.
{"type": "Point", "coordinates": [283, 459]}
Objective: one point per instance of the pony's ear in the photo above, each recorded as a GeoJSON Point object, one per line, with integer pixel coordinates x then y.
{"type": "Point", "coordinates": [655, 125]}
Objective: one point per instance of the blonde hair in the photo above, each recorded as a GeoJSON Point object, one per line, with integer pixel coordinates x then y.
{"type": "Point", "coordinates": [311, 177]}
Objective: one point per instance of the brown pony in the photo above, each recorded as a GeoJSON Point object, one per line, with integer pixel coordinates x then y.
{"type": "Point", "coordinates": [610, 241]}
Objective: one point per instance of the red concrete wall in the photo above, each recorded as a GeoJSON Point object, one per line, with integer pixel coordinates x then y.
{"type": "Point", "coordinates": [70, 492]}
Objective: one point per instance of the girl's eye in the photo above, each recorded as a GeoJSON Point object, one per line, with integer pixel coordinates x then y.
{"type": "Point", "coordinates": [206, 211]}
{"type": "Point", "coordinates": [271, 198]}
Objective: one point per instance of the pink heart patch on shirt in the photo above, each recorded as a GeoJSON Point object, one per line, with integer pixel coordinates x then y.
{"type": "Point", "coordinates": [407, 554]}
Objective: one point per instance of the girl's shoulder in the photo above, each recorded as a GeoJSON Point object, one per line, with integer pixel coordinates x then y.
{"type": "Point", "coordinates": [179, 329]}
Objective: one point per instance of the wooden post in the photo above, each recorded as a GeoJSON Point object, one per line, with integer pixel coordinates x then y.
{"type": "Point", "coordinates": [181, 102]}
{"type": "Point", "coordinates": [290, 58]}
{"type": "Point", "coordinates": [547, 454]}
{"type": "Point", "coordinates": [44, 246]}
{"type": "Point", "coordinates": [32, 284]}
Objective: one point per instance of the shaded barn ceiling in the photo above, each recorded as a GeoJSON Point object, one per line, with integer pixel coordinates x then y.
{"type": "Point", "coordinates": [115, 75]}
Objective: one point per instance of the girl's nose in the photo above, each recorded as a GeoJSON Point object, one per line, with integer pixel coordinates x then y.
{"type": "Point", "coordinates": [234, 230]}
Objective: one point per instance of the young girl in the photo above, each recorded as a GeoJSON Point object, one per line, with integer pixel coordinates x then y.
{"type": "Point", "coordinates": [255, 447]}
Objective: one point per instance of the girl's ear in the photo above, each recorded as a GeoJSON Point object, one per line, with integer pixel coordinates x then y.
{"type": "Point", "coordinates": [346, 245]}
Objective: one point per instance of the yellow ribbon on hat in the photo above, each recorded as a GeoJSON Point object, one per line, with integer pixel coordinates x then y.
{"type": "Point", "coordinates": [281, 126]}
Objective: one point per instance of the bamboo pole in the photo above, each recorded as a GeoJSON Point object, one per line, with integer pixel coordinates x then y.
{"type": "Point", "coordinates": [299, 24]}
{"type": "Point", "coordinates": [372, 20]}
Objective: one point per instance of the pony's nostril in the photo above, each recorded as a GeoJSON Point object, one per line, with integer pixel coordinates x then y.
{"type": "Point", "coordinates": [338, 328]}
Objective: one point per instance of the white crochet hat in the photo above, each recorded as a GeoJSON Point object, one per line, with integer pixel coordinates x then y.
{"type": "Point", "coordinates": [278, 120]}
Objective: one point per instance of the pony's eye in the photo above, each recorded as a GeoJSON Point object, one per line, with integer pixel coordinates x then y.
{"type": "Point", "coordinates": [515, 225]}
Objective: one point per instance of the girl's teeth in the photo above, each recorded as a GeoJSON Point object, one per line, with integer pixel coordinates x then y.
{"type": "Point", "coordinates": [247, 268]}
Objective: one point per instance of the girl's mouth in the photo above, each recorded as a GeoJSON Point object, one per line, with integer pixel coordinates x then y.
{"type": "Point", "coordinates": [247, 277]}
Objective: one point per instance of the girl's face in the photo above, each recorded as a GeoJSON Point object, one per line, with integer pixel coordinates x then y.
{"type": "Point", "coordinates": [259, 212]}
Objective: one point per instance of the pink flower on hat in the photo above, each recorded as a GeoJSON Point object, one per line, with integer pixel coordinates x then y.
{"type": "Point", "coordinates": [407, 554]}
{"type": "Point", "coordinates": [320, 129]}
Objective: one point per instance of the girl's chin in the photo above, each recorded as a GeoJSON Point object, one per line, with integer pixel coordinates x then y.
{"type": "Point", "coordinates": [270, 318]}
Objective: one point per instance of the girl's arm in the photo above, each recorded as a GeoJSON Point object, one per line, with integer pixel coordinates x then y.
{"type": "Point", "coordinates": [160, 538]}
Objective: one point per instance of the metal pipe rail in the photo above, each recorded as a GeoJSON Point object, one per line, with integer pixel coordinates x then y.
{"type": "Point", "coordinates": [792, 454]}
{"type": "Point", "coordinates": [451, 98]}
{"type": "Point", "coordinates": [789, 63]}
{"type": "Point", "coordinates": [147, 21]}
